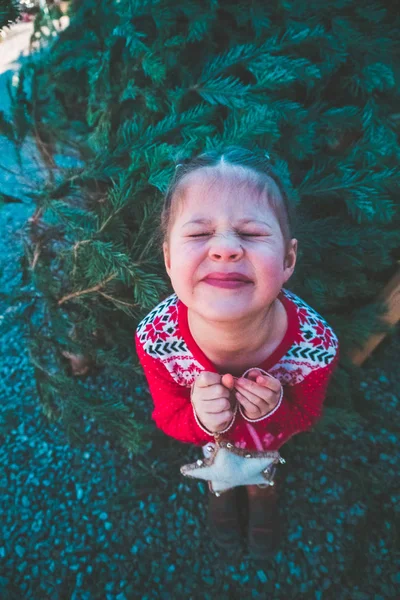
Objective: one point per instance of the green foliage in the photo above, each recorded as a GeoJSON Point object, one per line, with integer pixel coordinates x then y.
{"type": "Point", "coordinates": [9, 12]}
{"type": "Point", "coordinates": [138, 85]}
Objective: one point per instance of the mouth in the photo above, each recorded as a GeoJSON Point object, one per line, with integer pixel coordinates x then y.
{"type": "Point", "coordinates": [236, 277]}
{"type": "Point", "coordinates": [227, 281]}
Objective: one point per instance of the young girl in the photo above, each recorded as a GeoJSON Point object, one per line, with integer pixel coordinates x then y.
{"type": "Point", "coordinates": [232, 351]}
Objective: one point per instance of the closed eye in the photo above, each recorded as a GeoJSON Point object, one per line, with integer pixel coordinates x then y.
{"type": "Point", "coordinates": [197, 235]}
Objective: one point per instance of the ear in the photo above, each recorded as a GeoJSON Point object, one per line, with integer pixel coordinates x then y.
{"type": "Point", "coordinates": [290, 259]}
{"type": "Point", "coordinates": [167, 258]}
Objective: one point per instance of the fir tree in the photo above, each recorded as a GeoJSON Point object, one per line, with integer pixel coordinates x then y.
{"type": "Point", "coordinates": [137, 86]}
{"type": "Point", "coordinates": [9, 12]}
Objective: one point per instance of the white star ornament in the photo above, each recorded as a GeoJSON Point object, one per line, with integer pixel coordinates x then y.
{"type": "Point", "coordinates": [225, 466]}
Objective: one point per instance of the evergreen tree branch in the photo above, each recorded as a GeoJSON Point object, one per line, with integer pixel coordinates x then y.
{"type": "Point", "coordinates": [138, 85]}
{"type": "Point", "coordinates": [95, 288]}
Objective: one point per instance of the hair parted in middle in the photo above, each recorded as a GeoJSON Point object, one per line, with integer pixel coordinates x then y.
{"type": "Point", "coordinates": [250, 166]}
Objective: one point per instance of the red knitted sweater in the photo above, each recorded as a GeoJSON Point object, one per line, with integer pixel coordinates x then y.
{"type": "Point", "coordinates": [303, 362]}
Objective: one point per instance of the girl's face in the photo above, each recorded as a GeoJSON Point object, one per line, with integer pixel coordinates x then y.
{"type": "Point", "coordinates": [223, 231]}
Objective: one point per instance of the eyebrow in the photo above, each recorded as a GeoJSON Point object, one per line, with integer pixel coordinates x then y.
{"type": "Point", "coordinates": [209, 221]}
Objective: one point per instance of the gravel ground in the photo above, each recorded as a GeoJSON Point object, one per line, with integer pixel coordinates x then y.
{"type": "Point", "coordinates": [91, 522]}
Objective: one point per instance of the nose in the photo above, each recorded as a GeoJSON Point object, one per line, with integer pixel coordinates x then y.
{"type": "Point", "coordinates": [225, 246]}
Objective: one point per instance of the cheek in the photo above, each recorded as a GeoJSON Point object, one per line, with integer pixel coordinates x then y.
{"type": "Point", "coordinates": [268, 266]}
{"type": "Point", "coordinates": [269, 255]}
{"type": "Point", "coordinates": [189, 252]}
{"type": "Point", "coordinates": [184, 258]}
{"type": "Point", "coordinates": [272, 268]}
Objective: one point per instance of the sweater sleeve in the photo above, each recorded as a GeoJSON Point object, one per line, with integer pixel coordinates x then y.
{"type": "Point", "coordinates": [173, 412]}
{"type": "Point", "coordinates": [301, 405]}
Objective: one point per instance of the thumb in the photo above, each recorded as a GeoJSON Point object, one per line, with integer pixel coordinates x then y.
{"type": "Point", "coordinates": [228, 381]}
{"type": "Point", "coordinates": [253, 374]}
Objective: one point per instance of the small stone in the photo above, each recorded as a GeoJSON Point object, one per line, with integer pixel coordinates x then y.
{"type": "Point", "coordinates": [262, 576]}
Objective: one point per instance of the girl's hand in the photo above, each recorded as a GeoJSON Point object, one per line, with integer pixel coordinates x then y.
{"type": "Point", "coordinates": [212, 400]}
{"type": "Point", "coordinates": [257, 395]}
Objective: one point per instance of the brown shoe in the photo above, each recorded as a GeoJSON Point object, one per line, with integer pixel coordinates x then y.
{"type": "Point", "coordinates": [264, 525]}
{"type": "Point", "coordinates": [224, 519]}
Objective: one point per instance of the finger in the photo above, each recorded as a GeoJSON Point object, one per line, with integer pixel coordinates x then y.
{"type": "Point", "coordinates": [251, 388]}
{"type": "Point", "coordinates": [258, 389]}
{"type": "Point", "coordinates": [264, 379]}
{"type": "Point", "coordinates": [249, 407]}
{"type": "Point", "coordinates": [273, 384]}
{"type": "Point", "coordinates": [213, 392]}
{"type": "Point", "coordinates": [255, 401]}
{"type": "Point", "coordinates": [253, 374]}
{"type": "Point", "coordinates": [228, 381]}
{"type": "Point", "coordinates": [206, 378]}
{"type": "Point", "coordinates": [218, 406]}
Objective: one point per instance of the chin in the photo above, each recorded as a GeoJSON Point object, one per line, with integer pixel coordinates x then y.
{"type": "Point", "coordinates": [223, 312]}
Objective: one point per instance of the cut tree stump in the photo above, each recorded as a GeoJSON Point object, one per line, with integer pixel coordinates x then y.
{"type": "Point", "coordinates": [391, 296]}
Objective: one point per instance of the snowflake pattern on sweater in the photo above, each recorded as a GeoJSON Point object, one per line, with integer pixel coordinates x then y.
{"type": "Point", "coordinates": [315, 345]}
{"type": "Point", "coordinates": [159, 335]}
{"type": "Point", "coordinates": [303, 369]}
